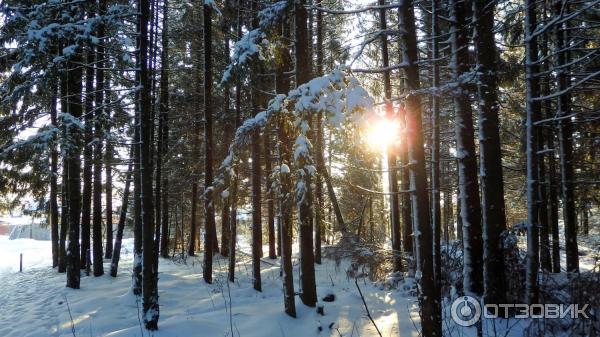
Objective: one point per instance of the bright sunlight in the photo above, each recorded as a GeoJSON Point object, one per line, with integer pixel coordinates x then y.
{"type": "Point", "coordinates": [382, 132]}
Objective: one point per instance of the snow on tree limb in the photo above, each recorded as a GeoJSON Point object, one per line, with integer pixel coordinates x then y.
{"type": "Point", "coordinates": [272, 13]}
{"type": "Point", "coordinates": [243, 51]}
{"type": "Point", "coordinates": [37, 32]}
{"type": "Point", "coordinates": [339, 96]}
{"type": "Point", "coordinates": [249, 45]}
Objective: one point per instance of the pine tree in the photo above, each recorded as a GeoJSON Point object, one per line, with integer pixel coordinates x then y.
{"type": "Point", "coordinates": [435, 153]}
{"type": "Point", "coordinates": [308, 293]}
{"type": "Point", "coordinates": [209, 241]}
{"type": "Point", "coordinates": [164, 131]}
{"type": "Point", "coordinates": [233, 190]}
{"type": "Point", "coordinates": [431, 326]}
{"type": "Point", "coordinates": [492, 182]}
{"type": "Point", "coordinates": [543, 173]}
{"type": "Point", "coordinates": [285, 195]}
{"type": "Point", "coordinates": [256, 174]}
{"type": "Point", "coordinates": [318, 135]}
{"type": "Point", "coordinates": [269, 193]}
{"type": "Point", "coordinates": [467, 158]}
{"type": "Point", "coordinates": [88, 162]}
{"type": "Point", "coordinates": [196, 42]}
{"type": "Point", "coordinates": [73, 165]}
{"type": "Point", "coordinates": [565, 140]}
{"type": "Point", "coordinates": [150, 304]}
{"type": "Point", "coordinates": [553, 204]}
{"type": "Point", "coordinates": [256, 205]}
{"type": "Point", "coordinates": [532, 115]}
{"type": "Point", "coordinates": [103, 87]}
{"type": "Point", "coordinates": [64, 207]}
{"type": "Point", "coordinates": [54, 181]}
{"type": "Point", "coordinates": [99, 121]}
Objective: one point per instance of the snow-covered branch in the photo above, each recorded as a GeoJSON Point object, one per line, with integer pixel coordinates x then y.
{"type": "Point", "coordinates": [248, 47]}
{"type": "Point", "coordinates": [337, 95]}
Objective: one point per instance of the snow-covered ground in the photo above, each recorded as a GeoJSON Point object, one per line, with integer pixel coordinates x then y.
{"type": "Point", "coordinates": [36, 254]}
{"type": "Point", "coordinates": [36, 303]}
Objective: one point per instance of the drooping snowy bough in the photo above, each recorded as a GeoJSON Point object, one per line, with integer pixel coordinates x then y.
{"type": "Point", "coordinates": [249, 45]}
{"type": "Point", "coordinates": [339, 96]}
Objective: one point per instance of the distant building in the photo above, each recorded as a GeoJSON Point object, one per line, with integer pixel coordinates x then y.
{"type": "Point", "coordinates": [4, 228]}
{"type": "Point", "coordinates": [24, 227]}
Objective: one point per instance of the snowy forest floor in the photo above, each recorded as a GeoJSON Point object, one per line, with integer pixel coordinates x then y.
{"type": "Point", "coordinates": [34, 303]}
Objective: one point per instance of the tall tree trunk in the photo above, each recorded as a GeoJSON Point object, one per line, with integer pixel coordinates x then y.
{"type": "Point", "coordinates": [285, 193]}
{"type": "Point", "coordinates": [285, 214]}
{"type": "Point", "coordinates": [150, 304]}
{"type": "Point", "coordinates": [234, 184]}
{"type": "Point", "coordinates": [136, 284]}
{"type": "Point", "coordinates": [319, 189]}
{"type": "Point", "coordinates": [533, 110]}
{"type": "Point", "coordinates": [158, 188]}
{"type": "Point", "coordinates": [467, 158]}
{"type": "Point", "coordinates": [430, 305]}
{"type": "Point", "coordinates": [108, 190]}
{"type": "Point", "coordinates": [256, 174]}
{"type": "Point", "coordinates": [196, 48]}
{"type": "Point", "coordinates": [73, 165]}
{"type": "Point", "coordinates": [99, 121]}
{"type": "Point", "coordinates": [541, 133]}
{"type": "Point", "coordinates": [164, 129]}
{"type": "Point", "coordinates": [492, 182]}
{"type": "Point", "coordinates": [308, 293]}
{"type": "Point", "coordinates": [105, 86]}
{"type": "Point", "coordinates": [229, 129]}
{"type": "Point", "coordinates": [459, 228]}
{"type": "Point", "coordinates": [233, 229]}
{"type": "Point", "coordinates": [158, 152]}
{"type": "Point", "coordinates": [405, 202]}
{"type": "Point", "coordinates": [209, 208]}
{"type": "Point", "coordinates": [553, 202]}
{"type": "Point", "coordinates": [319, 232]}
{"type": "Point", "coordinates": [449, 233]}
{"type": "Point", "coordinates": [319, 145]}
{"type": "Point", "coordinates": [64, 218]}
{"type": "Point", "coordinates": [137, 202]}
{"type": "Point", "coordinates": [88, 162]}
{"type": "Point", "coordinates": [407, 220]}
{"type": "Point", "coordinates": [256, 206]}
{"type": "Point", "coordinates": [269, 193]}
{"type": "Point", "coordinates": [181, 232]}
{"type": "Point", "coordinates": [193, 225]}
{"type": "Point", "coordinates": [565, 140]}
{"type": "Point", "coordinates": [97, 185]}
{"type": "Point", "coordinates": [391, 149]}
{"type": "Point", "coordinates": [53, 181]}
{"type": "Point", "coordinates": [225, 223]}
{"type": "Point", "coordinates": [64, 207]}
{"type": "Point", "coordinates": [435, 152]}
{"type": "Point", "coordinates": [114, 265]}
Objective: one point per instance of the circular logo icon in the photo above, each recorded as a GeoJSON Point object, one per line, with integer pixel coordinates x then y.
{"type": "Point", "coordinates": [466, 310]}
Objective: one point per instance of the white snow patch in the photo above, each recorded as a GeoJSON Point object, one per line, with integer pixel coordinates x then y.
{"type": "Point", "coordinates": [34, 305]}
